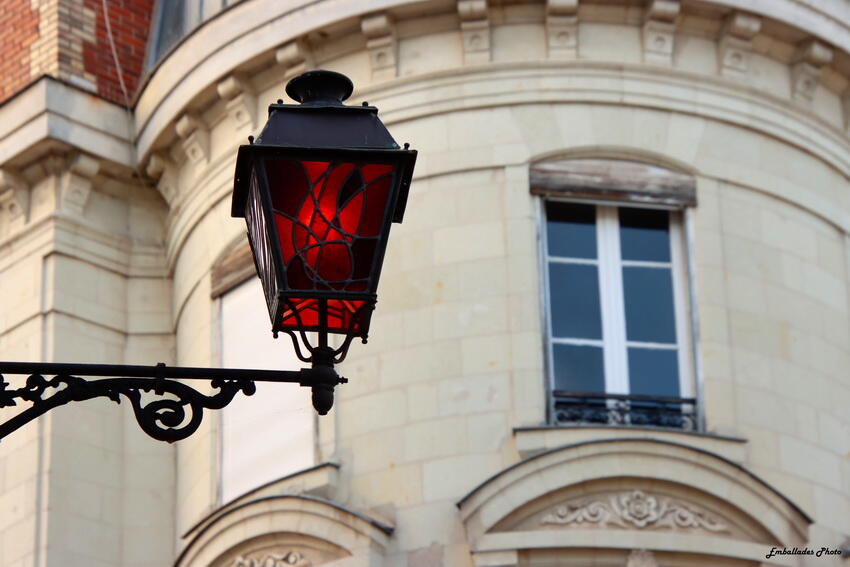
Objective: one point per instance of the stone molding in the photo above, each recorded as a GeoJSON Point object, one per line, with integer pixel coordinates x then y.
{"type": "Point", "coordinates": [634, 509]}
{"type": "Point", "coordinates": [291, 521]}
{"type": "Point", "coordinates": [498, 506]}
{"type": "Point", "coordinates": [180, 97]}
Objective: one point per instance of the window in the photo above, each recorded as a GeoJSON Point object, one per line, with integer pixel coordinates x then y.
{"type": "Point", "coordinates": [172, 20]}
{"type": "Point", "coordinates": [618, 322]}
{"type": "Point", "coordinates": [272, 433]}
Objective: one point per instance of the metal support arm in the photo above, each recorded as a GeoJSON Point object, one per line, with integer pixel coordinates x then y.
{"type": "Point", "coordinates": [165, 418]}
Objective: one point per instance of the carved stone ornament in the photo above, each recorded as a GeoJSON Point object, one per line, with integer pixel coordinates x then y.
{"type": "Point", "coordinates": [287, 559]}
{"type": "Point", "coordinates": [635, 510]}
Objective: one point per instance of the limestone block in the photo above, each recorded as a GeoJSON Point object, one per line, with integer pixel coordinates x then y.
{"type": "Point", "coordinates": [400, 486]}
{"type": "Point", "coordinates": [432, 439]}
{"type": "Point", "coordinates": [196, 138]}
{"type": "Point", "coordinates": [241, 103]}
{"type": "Point", "coordinates": [467, 318]}
{"type": "Point", "coordinates": [382, 44]}
{"type": "Point", "coordinates": [295, 57]}
{"type": "Point", "coordinates": [562, 29]}
{"type": "Point", "coordinates": [810, 462]}
{"type": "Point", "coordinates": [487, 353]}
{"type": "Point", "coordinates": [487, 431]}
{"type": "Point", "coordinates": [659, 30]}
{"type": "Point", "coordinates": [384, 409]}
{"type": "Point", "coordinates": [452, 477]}
{"type": "Point", "coordinates": [419, 526]}
{"type": "Point", "coordinates": [482, 240]}
{"type": "Point", "coordinates": [475, 30]}
{"type": "Point", "coordinates": [476, 393]}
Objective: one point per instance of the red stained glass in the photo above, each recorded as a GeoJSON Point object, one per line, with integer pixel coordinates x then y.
{"type": "Point", "coordinates": [344, 316]}
{"type": "Point", "coordinates": [329, 217]}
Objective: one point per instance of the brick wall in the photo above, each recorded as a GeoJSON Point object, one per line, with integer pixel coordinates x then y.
{"type": "Point", "coordinates": [68, 39]}
{"type": "Point", "coordinates": [18, 30]}
{"type": "Point", "coordinates": [130, 23]}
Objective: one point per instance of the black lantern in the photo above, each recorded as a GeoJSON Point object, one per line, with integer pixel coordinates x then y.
{"type": "Point", "coordinates": [318, 189]}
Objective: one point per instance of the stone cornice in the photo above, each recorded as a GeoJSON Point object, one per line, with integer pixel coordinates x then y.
{"type": "Point", "coordinates": [51, 115]}
{"type": "Point", "coordinates": [261, 27]}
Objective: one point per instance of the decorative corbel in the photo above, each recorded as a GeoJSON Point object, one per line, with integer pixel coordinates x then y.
{"type": "Point", "coordinates": [295, 57]}
{"type": "Point", "coordinates": [812, 56]}
{"type": "Point", "coordinates": [381, 42]}
{"type": "Point", "coordinates": [475, 30]}
{"type": "Point", "coordinates": [14, 201]}
{"type": "Point", "coordinates": [562, 29]}
{"type": "Point", "coordinates": [736, 45]}
{"type": "Point", "coordinates": [76, 183]}
{"type": "Point", "coordinates": [163, 171]}
{"type": "Point", "coordinates": [659, 31]}
{"type": "Point", "coordinates": [196, 138]}
{"type": "Point", "coordinates": [241, 104]}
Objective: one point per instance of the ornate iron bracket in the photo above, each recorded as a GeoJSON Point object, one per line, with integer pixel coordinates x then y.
{"type": "Point", "coordinates": [174, 415]}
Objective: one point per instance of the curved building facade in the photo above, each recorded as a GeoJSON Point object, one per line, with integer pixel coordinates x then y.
{"type": "Point", "coordinates": [612, 330]}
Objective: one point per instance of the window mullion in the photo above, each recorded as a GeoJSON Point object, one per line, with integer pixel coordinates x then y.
{"type": "Point", "coordinates": [611, 295]}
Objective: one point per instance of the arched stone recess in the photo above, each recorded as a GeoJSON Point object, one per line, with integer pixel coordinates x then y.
{"type": "Point", "coordinates": [288, 530]}
{"type": "Point", "coordinates": [615, 496]}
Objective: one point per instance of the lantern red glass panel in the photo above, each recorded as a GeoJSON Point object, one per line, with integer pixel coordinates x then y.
{"type": "Point", "coordinates": [319, 190]}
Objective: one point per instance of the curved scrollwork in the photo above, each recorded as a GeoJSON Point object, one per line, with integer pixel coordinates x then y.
{"type": "Point", "coordinates": [169, 418]}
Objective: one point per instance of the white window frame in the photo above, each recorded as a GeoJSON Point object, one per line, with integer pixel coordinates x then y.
{"type": "Point", "coordinates": [612, 306]}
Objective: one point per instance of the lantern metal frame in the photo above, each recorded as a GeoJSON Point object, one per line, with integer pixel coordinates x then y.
{"type": "Point", "coordinates": [176, 410]}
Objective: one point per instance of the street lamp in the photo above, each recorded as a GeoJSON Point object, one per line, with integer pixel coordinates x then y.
{"type": "Point", "coordinates": [318, 189]}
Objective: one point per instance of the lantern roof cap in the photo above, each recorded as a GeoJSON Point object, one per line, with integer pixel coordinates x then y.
{"type": "Point", "coordinates": [320, 87]}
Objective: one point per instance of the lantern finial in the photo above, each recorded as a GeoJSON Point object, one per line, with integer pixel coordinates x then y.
{"type": "Point", "coordinates": [320, 87]}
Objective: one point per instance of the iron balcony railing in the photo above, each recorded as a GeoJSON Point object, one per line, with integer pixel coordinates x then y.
{"type": "Point", "coordinates": [575, 408]}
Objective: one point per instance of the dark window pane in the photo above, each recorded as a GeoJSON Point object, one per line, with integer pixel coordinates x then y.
{"type": "Point", "coordinates": [171, 26]}
{"type": "Point", "coordinates": [574, 301]}
{"type": "Point", "coordinates": [579, 368]}
{"type": "Point", "coordinates": [653, 372]}
{"type": "Point", "coordinates": [644, 235]}
{"type": "Point", "coordinates": [648, 294]}
{"type": "Point", "coordinates": [571, 230]}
